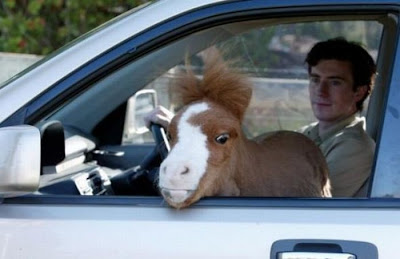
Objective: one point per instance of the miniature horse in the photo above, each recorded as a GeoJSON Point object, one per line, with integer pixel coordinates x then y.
{"type": "Point", "coordinates": [210, 155]}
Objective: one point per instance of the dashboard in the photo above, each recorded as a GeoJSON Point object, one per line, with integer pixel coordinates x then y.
{"type": "Point", "coordinates": [68, 166]}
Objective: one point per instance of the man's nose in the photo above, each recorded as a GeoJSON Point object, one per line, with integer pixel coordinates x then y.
{"type": "Point", "coordinates": [322, 88]}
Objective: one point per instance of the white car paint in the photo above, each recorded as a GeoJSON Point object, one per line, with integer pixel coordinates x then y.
{"type": "Point", "coordinates": [105, 229]}
{"type": "Point", "coordinates": [126, 232]}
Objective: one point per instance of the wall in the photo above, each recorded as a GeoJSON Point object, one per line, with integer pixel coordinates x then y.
{"type": "Point", "coordinates": [13, 63]}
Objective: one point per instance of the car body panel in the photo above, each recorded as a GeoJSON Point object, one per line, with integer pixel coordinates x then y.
{"type": "Point", "coordinates": [212, 232]}
{"type": "Point", "coordinates": [50, 226]}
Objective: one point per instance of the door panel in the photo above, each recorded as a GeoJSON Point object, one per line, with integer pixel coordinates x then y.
{"type": "Point", "coordinates": [110, 231]}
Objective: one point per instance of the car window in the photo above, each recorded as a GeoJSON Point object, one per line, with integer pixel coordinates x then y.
{"type": "Point", "coordinates": [269, 51]}
{"type": "Point", "coordinates": [273, 56]}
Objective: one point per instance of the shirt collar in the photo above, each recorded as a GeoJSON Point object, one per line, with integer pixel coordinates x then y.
{"type": "Point", "coordinates": [337, 127]}
{"type": "Point", "coordinates": [333, 130]}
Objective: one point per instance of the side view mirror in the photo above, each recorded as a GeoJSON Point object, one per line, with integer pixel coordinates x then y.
{"type": "Point", "coordinates": [19, 160]}
{"type": "Point", "coordinates": [140, 104]}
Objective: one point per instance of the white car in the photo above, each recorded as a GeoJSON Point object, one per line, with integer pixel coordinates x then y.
{"type": "Point", "coordinates": [72, 137]}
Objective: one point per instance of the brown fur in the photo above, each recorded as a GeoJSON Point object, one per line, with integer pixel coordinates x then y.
{"type": "Point", "coordinates": [282, 164]}
{"type": "Point", "coordinates": [232, 92]}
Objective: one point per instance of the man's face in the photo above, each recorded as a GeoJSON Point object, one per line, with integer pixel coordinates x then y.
{"type": "Point", "coordinates": [331, 91]}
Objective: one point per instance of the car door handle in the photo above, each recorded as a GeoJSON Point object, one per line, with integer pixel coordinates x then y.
{"type": "Point", "coordinates": [322, 249]}
{"type": "Point", "coordinates": [311, 255]}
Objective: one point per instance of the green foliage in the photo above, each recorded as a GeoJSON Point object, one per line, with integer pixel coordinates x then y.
{"type": "Point", "coordinates": [41, 26]}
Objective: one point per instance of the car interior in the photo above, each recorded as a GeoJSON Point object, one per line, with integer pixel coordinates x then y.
{"type": "Point", "coordinates": [82, 149]}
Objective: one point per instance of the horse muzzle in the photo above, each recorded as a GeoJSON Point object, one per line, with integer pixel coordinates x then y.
{"type": "Point", "coordinates": [176, 197]}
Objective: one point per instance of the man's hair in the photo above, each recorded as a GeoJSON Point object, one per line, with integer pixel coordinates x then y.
{"type": "Point", "coordinates": [362, 64]}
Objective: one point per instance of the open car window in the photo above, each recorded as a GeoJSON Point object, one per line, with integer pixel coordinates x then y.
{"type": "Point", "coordinates": [273, 57]}
{"type": "Point", "coordinates": [270, 51]}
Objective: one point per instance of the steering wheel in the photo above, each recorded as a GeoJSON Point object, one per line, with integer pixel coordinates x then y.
{"type": "Point", "coordinates": [161, 140]}
{"type": "Point", "coordinates": [140, 180]}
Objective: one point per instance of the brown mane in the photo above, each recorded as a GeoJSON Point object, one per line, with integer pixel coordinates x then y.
{"type": "Point", "coordinates": [219, 84]}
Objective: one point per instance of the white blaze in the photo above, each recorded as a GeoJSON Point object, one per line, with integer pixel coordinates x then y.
{"type": "Point", "coordinates": [189, 154]}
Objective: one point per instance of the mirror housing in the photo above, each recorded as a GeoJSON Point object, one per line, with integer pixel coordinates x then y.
{"type": "Point", "coordinates": [140, 104]}
{"type": "Point", "coordinates": [19, 160]}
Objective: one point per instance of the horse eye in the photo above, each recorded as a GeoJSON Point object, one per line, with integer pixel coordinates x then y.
{"type": "Point", "coordinates": [221, 139]}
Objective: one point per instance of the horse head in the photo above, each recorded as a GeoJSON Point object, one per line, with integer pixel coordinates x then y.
{"type": "Point", "coordinates": [204, 133]}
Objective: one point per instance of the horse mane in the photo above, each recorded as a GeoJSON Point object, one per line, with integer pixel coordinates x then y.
{"type": "Point", "coordinates": [220, 84]}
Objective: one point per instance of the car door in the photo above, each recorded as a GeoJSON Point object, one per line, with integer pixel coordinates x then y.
{"type": "Point", "coordinates": [266, 36]}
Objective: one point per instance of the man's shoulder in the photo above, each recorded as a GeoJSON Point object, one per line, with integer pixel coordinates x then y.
{"type": "Point", "coordinates": [355, 134]}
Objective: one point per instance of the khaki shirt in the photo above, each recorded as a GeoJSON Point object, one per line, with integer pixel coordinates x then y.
{"type": "Point", "coordinates": [349, 152]}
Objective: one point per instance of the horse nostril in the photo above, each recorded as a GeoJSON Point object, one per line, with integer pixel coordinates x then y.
{"type": "Point", "coordinates": [185, 171]}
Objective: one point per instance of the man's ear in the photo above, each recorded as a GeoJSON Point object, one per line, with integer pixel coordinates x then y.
{"type": "Point", "coordinates": [360, 92]}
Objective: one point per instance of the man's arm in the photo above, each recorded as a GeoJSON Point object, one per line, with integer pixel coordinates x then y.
{"type": "Point", "coordinates": [350, 163]}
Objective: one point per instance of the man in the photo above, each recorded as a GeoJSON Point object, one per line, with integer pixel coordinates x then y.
{"type": "Point", "coordinates": [341, 76]}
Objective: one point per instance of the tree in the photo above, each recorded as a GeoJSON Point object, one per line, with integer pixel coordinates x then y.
{"type": "Point", "coordinates": [41, 26]}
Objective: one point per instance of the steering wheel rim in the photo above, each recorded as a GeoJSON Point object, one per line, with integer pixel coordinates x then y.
{"type": "Point", "coordinates": [140, 179]}
{"type": "Point", "coordinates": [161, 140]}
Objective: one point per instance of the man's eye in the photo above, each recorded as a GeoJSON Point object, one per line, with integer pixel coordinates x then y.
{"type": "Point", "coordinates": [336, 82]}
{"type": "Point", "coordinates": [314, 80]}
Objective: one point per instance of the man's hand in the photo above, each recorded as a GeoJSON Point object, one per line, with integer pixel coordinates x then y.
{"type": "Point", "coordinates": [160, 115]}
